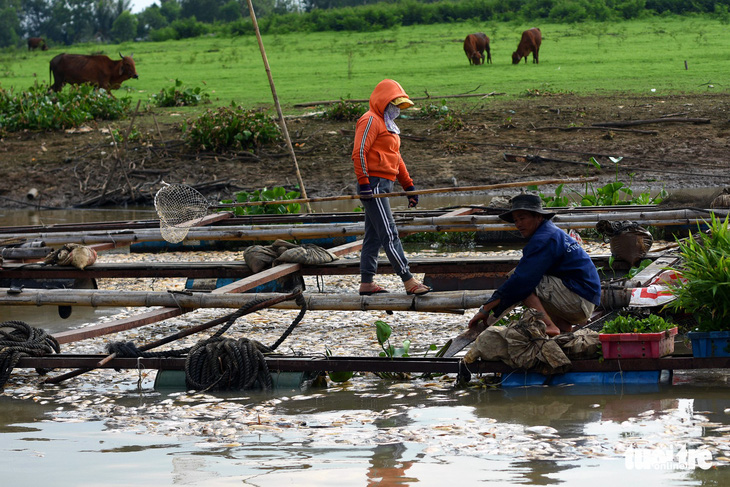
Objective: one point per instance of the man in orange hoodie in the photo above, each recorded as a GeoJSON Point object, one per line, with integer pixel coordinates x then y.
{"type": "Point", "coordinates": [378, 164]}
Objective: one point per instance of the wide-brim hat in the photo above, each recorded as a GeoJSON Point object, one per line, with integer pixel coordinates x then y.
{"type": "Point", "coordinates": [527, 202]}
{"type": "Point", "coordinates": [402, 102]}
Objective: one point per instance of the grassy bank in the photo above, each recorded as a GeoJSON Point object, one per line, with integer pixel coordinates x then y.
{"type": "Point", "coordinates": [646, 56]}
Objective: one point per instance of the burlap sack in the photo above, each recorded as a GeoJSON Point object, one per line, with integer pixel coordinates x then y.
{"type": "Point", "coordinates": [524, 345]}
{"type": "Point", "coordinates": [530, 348]}
{"type": "Point", "coordinates": [583, 344]}
{"type": "Point", "coordinates": [490, 345]}
{"type": "Point", "coordinates": [259, 257]}
{"type": "Point", "coordinates": [306, 254]}
{"type": "Point", "coordinates": [72, 254]}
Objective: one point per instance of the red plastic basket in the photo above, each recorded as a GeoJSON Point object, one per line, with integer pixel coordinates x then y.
{"type": "Point", "coordinates": [637, 345]}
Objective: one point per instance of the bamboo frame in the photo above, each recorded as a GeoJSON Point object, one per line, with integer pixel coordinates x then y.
{"type": "Point", "coordinates": [456, 189]}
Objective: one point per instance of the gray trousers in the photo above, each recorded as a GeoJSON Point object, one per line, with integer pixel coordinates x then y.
{"type": "Point", "coordinates": [380, 231]}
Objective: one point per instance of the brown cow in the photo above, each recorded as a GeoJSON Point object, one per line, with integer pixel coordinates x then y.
{"type": "Point", "coordinates": [530, 43]}
{"type": "Point", "coordinates": [99, 71]}
{"type": "Point", "coordinates": [37, 42]}
{"type": "Point", "coordinates": [474, 47]}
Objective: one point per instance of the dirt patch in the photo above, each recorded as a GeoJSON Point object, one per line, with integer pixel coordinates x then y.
{"type": "Point", "coordinates": [85, 168]}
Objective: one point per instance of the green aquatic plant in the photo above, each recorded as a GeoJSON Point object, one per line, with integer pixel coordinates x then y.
{"type": "Point", "coordinates": [276, 193]}
{"type": "Point", "coordinates": [705, 264]}
{"type": "Point", "coordinates": [611, 194]}
{"type": "Point", "coordinates": [338, 375]}
{"type": "Point", "coordinates": [39, 109]}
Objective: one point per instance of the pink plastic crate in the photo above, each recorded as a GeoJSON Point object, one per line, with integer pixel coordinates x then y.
{"type": "Point", "coordinates": [637, 345]}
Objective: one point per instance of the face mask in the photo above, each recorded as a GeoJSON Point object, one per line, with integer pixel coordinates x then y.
{"type": "Point", "coordinates": [391, 113]}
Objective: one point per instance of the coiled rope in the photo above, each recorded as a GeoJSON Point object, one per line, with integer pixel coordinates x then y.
{"type": "Point", "coordinates": [219, 363]}
{"type": "Point", "coordinates": [22, 341]}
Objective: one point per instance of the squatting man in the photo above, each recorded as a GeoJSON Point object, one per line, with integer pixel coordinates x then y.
{"type": "Point", "coordinates": [555, 276]}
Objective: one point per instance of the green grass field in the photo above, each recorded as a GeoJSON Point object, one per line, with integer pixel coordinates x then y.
{"type": "Point", "coordinates": [644, 57]}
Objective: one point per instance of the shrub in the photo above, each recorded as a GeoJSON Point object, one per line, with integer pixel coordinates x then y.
{"type": "Point", "coordinates": [435, 110]}
{"type": "Point", "coordinates": [231, 128]}
{"type": "Point", "coordinates": [163, 34]}
{"type": "Point", "coordinates": [451, 122]}
{"type": "Point", "coordinates": [179, 96]}
{"type": "Point", "coordinates": [344, 111]}
{"type": "Point", "coordinates": [189, 27]}
{"type": "Point", "coordinates": [124, 27]}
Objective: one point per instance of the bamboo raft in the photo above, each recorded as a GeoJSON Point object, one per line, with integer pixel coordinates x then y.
{"type": "Point", "coordinates": [178, 303]}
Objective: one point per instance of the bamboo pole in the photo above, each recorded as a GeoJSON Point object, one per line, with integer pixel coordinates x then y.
{"type": "Point", "coordinates": [435, 302]}
{"type": "Point", "coordinates": [540, 182]}
{"type": "Point", "coordinates": [669, 214]}
{"type": "Point", "coordinates": [299, 232]}
{"type": "Point", "coordinates": [341, 230]}
{"type": "Point", "coordinates": [282, 122]}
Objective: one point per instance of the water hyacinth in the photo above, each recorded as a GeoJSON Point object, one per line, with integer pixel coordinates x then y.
{"type": "Point", "coordinates": [39, 109]}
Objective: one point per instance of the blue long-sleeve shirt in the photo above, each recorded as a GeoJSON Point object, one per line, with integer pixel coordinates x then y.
{"type": "Point", "coordinates": [550, 251]}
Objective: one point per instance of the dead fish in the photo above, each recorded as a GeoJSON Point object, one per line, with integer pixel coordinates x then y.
{"type": "Point", "coordinates": [541, 430]}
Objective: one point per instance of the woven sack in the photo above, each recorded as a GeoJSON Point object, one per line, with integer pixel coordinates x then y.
{"type": "Point", "coordinates": [72, 254]}
{"type": "Point", "coordinates": [630, 242]}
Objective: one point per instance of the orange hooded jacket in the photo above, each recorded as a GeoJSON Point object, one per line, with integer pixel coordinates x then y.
{"type": "Point", "coordinates": [377, 151]}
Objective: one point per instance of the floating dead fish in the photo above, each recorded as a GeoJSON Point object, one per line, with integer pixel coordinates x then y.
{"type": "Point", "coordinates": [541, 430]}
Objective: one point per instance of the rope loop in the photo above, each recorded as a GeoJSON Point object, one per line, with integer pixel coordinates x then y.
{"type": "Point", "coordinates": [227, 364]}
{"type": "Point", "coordinates": [22, 341]}
{"type": "Point", "coordinates": [219, 363]}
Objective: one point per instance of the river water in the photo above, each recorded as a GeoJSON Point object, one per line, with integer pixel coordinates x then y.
{"type": "Point", "coordinates": [115, 428]}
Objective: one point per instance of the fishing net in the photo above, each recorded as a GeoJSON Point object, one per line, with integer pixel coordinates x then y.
{"type": "Point", "coordinates": [179, 207]}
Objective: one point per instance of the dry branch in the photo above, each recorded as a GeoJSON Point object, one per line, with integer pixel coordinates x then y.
{"type": "Point", "coordinates": [365, 100]}
{"type": "Point", "coordinates": [630, 123]}
{"type": "Point", "coordinates": [569, 129]}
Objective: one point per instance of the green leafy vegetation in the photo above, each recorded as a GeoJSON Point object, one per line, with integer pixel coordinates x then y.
{"type": "Point", "coordinates": [277, 193]}
{"type": "Point", "coordinates": [633, 324]}
{"type": "Point", "coordinates": [705, 264]}
{"type": "Point", "coordinates": [447, 119]}
{"type": "Point", "coordinates": [39, 109]}
{"type": "Point", "coordinates": [612, 194]}
{"type": "Point", "coordinates": [178, 95]}
{"type": "Point", "coordinates": [338, 375]}
{"type": "Point", "coordinates": [436, 111]}
{"type": "Point", "coordinates": [383, 332]}
{"type": "Point", "coordinates": [230, 129]}
{"type": "Point", "coordinates": [344, 111]}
